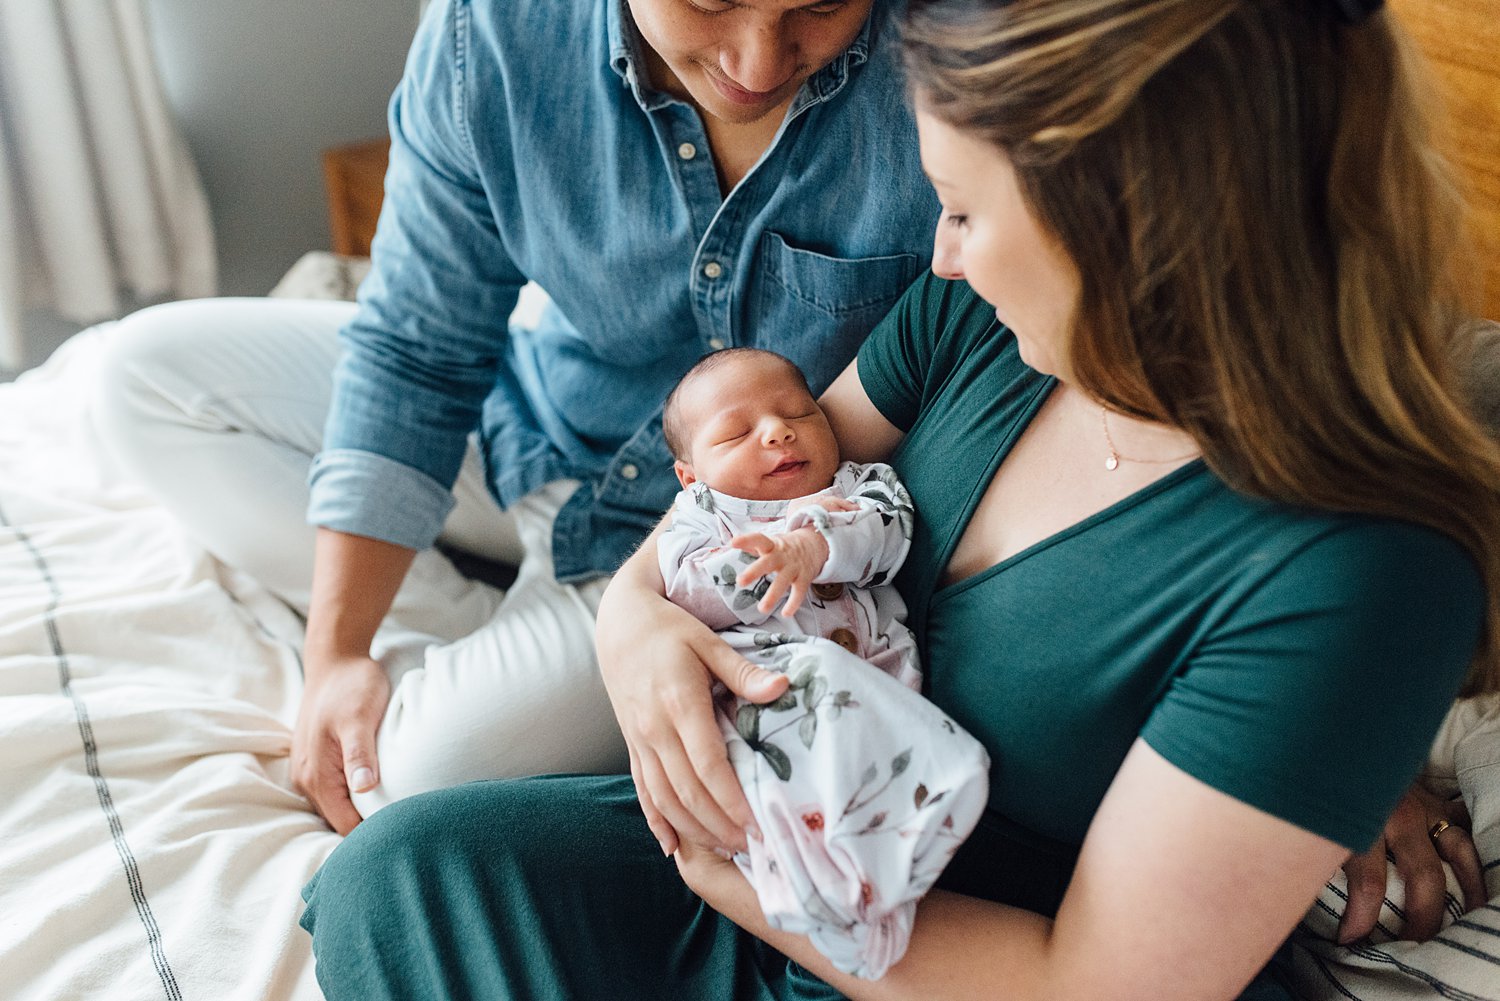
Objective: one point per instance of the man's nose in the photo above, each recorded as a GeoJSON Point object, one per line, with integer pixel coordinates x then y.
{"type": "Point", "coordinates": [762, 58]}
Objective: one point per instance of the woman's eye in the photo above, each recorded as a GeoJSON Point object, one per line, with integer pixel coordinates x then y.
{"type": "Point", "coordinates": [826, 9]}
{"type": "Point", "coordinates": [709, 6]}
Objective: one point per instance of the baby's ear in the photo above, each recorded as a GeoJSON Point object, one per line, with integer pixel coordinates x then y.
{"type": "Point", "coordinates": [684, 473]}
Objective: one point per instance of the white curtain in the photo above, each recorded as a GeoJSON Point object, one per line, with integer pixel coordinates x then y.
{"type": "Point", "coordinates": [100, 204]}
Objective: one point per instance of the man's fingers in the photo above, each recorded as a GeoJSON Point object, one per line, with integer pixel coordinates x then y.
{"type": "Point", "coordinates": [1426, 896]}
{"type": "Point", "coordinates": [1457, 849]}
{"type": "Point", "coordinates": [330, 795]}
{"type": "Point", "coordinates": [339, 811]}
{"type": "Point", "coordinates": [1365, 874]}
{"type": "Point", "coordinates": [360, 767]}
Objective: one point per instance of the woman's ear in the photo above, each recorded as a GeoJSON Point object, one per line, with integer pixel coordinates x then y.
{"type": "Point", "coordinates": [684, 472]}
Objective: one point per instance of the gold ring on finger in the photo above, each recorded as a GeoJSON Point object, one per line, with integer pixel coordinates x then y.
{"type": "Point", "coordinates": [1437, 829]}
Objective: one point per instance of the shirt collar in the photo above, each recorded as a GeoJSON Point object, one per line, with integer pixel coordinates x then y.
{"type": "Point", "coordinates": [628, 61]}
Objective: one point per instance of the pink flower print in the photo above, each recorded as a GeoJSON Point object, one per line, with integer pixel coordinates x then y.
{"type": "Point", "coordinates": [813, 819]}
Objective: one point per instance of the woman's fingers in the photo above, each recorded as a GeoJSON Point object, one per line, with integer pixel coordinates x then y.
{"type": "Point", "coordinates": [665, 835]}
{"type": "Point", "coordinates": [682, 800]}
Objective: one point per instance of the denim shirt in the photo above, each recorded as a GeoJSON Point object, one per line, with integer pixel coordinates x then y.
{"type": "Point", "coordinates": [527, 143]}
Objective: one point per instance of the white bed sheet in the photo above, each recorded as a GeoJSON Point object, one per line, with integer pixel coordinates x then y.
{"type": "Point", "coordinates": [150, 843]}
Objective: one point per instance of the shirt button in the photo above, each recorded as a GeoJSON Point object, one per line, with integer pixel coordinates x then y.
{"type": "Point", "coordinates": [828, 592]}
{"type": "Point", "coordinates": [629, 471]}
{"type": "Point", "coordinates": [687, 151]}
{"type": "Point", "coordinates": [713, 269]}
{"type": "Point", "coordinates": [716, 344]}
{"type": "Point", "coordinates": [845, 639]}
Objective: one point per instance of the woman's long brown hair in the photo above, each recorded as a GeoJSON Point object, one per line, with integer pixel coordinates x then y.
{"type": "Point", "coordinates": [1268, 242]}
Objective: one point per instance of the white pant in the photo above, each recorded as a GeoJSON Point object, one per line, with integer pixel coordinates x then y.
{"type": "Point", "coordinates": [218, 407]}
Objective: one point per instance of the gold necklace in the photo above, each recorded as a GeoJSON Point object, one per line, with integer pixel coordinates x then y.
{"type": "Point", "coordinates": [1113, 460]}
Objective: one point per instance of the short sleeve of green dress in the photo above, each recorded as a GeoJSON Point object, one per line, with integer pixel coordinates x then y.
{"type": "Point", "coordinates": [1298, 660]}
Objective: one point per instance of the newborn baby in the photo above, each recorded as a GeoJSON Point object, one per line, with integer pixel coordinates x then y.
{"type": "Point", "coordinates": [861, 788]}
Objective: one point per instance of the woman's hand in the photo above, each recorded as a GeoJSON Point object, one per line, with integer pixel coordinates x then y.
{"type": "Point", "coordinates": [796, 558]}
{"type": "Point", "coordinates": [333, 744]}
{"type": "Point", "coordinates": [658, 665]}
{"type": "Point", "coordinates": [1419, 859]}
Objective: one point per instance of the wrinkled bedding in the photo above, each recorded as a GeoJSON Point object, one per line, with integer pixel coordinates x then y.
{"type": "Point", "coordinates": [150, 843]}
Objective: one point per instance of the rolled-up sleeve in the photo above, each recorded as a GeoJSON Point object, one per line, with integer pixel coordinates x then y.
{"type": "Point", "coordinates": [425, 347]}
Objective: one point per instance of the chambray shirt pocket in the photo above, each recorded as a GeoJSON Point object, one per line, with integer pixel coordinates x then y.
{"type": "Point", "coordinates": [817, 308]}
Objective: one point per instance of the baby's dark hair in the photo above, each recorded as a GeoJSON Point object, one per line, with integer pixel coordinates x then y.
{"type": "Point", "coordinates": [671, 419]}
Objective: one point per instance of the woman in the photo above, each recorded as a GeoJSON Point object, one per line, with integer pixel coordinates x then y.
{"type": "Point", "coordinates": [1205, 546]}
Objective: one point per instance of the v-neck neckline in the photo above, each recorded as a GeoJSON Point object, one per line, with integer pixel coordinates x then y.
{"type": "Point", "coordinates": [1006, 445]}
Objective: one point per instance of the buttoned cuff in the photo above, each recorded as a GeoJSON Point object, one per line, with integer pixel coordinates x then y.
{"type": "Point", "coordinates": [366, 494]}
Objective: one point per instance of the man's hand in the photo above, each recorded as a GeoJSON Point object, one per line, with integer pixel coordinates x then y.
{"type": "Point", "coordinates": [333, 745]}
{"type": "Point", "coordinates": [1419, 861]}
{"type": "Point", "coordinates": [796, 558]}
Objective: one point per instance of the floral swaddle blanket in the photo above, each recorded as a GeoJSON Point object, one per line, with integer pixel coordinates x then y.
{"type": "Point", "coordinates": [862, 789]}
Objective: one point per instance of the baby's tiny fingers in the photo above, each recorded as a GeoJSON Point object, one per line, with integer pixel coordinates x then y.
{"type": "Point", "coordinates": [794, 602]}
{"type": "Point", "coordinates": [762, 567]}
{"type": "Point", "coordinates": [774, 594]}
{"type": "Point", "coordinates": [755, 542]}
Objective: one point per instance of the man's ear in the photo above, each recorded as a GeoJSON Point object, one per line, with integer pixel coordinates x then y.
{"type": "Point", "coordinates": [684, 472]}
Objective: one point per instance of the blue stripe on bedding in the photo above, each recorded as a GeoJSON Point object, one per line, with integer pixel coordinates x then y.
{"type": "Point", "coordinates": [91, 760]}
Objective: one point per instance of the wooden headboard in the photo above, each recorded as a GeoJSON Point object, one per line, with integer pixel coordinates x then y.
{"type": "Point", "coordinates": [1461, 38]}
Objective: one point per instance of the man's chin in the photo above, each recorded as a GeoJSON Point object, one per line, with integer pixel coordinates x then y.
{"type": "Point", "coordinates": [715, 102]}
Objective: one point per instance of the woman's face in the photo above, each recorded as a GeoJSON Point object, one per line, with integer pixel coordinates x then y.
{"type": "Point", "coordinates": [988, 235]}
{"type": "Point", "coordinates": [740, 60]}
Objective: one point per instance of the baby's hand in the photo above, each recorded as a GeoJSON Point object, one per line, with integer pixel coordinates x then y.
{"type": "Point", "coordinates": [828, 502]}
{"type": "Point", "coordinates": [796, 558]}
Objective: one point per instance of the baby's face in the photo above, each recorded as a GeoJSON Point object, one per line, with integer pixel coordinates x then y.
{"type": "Point", "coordinates": [756, 433]}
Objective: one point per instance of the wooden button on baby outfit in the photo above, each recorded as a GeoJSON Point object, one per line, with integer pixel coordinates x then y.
{"type": "Point", "coordinates": [845, 639]}
{"type": "Point", "coordinates": [828, 592]}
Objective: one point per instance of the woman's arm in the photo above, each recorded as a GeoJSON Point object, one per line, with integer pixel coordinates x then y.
{"type": "Point", "coordinates": [658, 663]}
{"type": "Point", "coordinates": [1182, 893]}
{"type": "Point", "coordinates": [863, 433]}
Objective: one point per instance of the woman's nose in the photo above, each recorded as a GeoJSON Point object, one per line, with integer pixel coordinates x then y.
{"type": "Point", "coordinates": [946, 260]}
{"type": "Point", "coordinates": [761, 59]}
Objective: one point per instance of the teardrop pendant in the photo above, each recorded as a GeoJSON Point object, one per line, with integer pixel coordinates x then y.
{"type": "Point", "coordinates": [1112, 463]}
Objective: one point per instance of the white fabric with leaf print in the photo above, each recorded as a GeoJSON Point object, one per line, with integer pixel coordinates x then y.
{"type": "Point", "coordinates": [862, 789]}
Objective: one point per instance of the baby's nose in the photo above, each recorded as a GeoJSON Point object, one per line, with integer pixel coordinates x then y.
{"type": "Point", "coordinates": [779, 432]}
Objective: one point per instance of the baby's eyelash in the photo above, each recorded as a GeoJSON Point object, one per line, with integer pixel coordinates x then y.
{"type": "Point", "coordinates": [954, 219]}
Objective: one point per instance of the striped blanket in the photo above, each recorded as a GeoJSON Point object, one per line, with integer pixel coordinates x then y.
{"type": "Point", "coordinates": [150, 843]}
